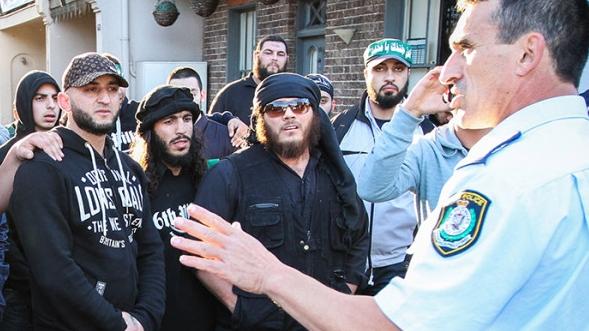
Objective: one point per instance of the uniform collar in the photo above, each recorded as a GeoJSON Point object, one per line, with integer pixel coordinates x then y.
{"type": "Point", "coordinates": [513, 127]}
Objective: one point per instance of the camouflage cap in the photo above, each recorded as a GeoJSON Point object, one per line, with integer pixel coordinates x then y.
{"type": "Point", "coordinates": [385, 49]}
{"type": "Point", "coordinates": [86, 67]}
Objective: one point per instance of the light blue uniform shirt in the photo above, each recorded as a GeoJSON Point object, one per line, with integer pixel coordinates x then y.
{"type": "Point", "coordinates": [528, 268]}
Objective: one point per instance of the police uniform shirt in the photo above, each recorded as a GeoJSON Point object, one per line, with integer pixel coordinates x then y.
{"type": "Point", "coordinates": [508, 246]}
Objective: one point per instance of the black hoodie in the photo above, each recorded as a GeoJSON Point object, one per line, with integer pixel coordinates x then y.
{"type": "Point", "coordinates": [26, 90]}
{"type": "Point", "coordinates": [123, 134]}
{"type": "Point", "coordinates": [88, 239]}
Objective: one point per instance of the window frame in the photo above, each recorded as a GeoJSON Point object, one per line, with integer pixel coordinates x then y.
{"type": "Point", "coordinates": [235, 42]}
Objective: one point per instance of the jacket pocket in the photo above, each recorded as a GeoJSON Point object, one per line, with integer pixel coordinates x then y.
{"type": "Point", "coordinates": [265, 223]}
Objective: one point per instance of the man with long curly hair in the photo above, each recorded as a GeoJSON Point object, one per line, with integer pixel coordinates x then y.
{"type": "Point", "coordinates": [171, 156]}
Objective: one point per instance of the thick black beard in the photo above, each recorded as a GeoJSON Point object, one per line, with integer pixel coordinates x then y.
{"type": "Point", "coordinates": [291, 150]}
{"type": "Point", "coordinates": [388, 100]}
{"type": "Point", "coordinates": [262, 72]}
{"type": "Point", "coordinates": [160, 148]}
{"type": "Point", "coordinates": [86, 123]}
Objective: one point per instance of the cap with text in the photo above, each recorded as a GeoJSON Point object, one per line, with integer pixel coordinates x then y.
{"type": "Point", "coordinates": [385, 49]}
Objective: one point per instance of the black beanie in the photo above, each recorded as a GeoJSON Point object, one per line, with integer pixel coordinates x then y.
{"type": "Point", "coordinates": [163, 101]}
{"type": "Point", "coordinates": [286, 85]}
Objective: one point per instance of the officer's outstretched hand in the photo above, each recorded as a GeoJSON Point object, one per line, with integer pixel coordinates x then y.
{"type": "Point", "coordinates": [427, 97]}
{"type": "Point", "coordinates": [225, 250]}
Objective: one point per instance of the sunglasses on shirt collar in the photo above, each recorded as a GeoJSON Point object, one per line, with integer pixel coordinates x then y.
{"type": "Point", "coordinates": [278, 108]}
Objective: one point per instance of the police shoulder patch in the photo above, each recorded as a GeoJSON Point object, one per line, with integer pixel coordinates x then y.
{"type": "Point", "coordinates": [460, 223]}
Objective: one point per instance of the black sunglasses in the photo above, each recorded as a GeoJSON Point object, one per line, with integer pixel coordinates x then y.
{"type": "Point", "coordinates": [278, 108]}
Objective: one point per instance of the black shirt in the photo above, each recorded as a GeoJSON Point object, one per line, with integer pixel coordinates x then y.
{"type": "Point", "coordinates": [236, 97]}
{"type": "Point", "coordinates": [189, 306]}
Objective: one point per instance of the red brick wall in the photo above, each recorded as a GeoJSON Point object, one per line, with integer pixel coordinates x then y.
{"type": "Point", "coordinates": [280, 19]}
{"type": "Point", "coordinates": [343, 63]}
{"type": "Point", "coordinates": [215, 48]}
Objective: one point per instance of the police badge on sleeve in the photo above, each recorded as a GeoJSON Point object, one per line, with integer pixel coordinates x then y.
{"type": "Point", "coordinates": [459, 223]}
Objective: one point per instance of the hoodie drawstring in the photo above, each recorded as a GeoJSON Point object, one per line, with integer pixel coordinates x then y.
{"type": "Point", "coordinates": [126, 203]}
{"type": "Point", "coordinates": [101, 194]}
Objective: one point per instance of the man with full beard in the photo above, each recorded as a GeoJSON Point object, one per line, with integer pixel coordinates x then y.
{"type": "Point", "coordinates": [285, 192]}
{"type": "Point", "coordinates": [392, 222]}
{"type": "Point", "coordinates": [172, 157]}
{"type": "Point", "coordinates": [270, 57]}
{"type": "Point", "coordinates": [95, 261]}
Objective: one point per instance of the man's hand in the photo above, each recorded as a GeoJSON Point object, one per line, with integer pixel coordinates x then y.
{"type": "Point", "coordinates": [225, 250]}
{"type": "Point", "coordinates": [50, 142]}
{"type": "Point", "coordinates": [132, 323]}
{"type": "Point", "coordinates": [238, 131]}
{"type": "Point", "coordinates": [427, 95]}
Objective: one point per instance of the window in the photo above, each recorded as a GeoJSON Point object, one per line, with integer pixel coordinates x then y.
{"type": "Point", "coordinates": [449, 17]}
{"type": "Point", "coordinates": [241, 41]}
{"type": "Point", "coordinates": [312, 17]}
{"type": "Point", "coordinates": [426, 24]}
{"type": "Point", "coordinates": [314, 14]}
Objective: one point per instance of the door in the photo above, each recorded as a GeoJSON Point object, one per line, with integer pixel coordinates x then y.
{"type": "Point", "coordinates": [311, 57]}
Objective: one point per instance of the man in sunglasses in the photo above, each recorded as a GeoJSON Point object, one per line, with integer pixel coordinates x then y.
{"type": "Point", "coordinates": [286, 192]}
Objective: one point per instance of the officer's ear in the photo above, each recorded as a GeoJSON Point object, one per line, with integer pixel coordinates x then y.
{"type": "Point", "coordinates": [530, 50]}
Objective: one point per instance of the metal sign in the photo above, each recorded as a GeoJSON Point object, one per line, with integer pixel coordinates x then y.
{"type": "Point", "coordinates": [418, 50]}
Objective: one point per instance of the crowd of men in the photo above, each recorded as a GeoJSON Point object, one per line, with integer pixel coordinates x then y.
{"type": "Point", "coordinates": [265, 214]}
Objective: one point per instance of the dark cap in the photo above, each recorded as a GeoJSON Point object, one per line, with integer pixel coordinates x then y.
{"type": "Point", "coordinates": [86, 67]}
{"type": "Point", "coordinates": [163, 101]}
{"type": "Point", "coordinates": [323, 82]}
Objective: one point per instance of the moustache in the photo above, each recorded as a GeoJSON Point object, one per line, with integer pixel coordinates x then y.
{"type": "Point", "coordinates": [289, 123]}
{"type": "Point", "coordinates": [180, 137]}
{"type": "Point", "coordinates": [389, 85]}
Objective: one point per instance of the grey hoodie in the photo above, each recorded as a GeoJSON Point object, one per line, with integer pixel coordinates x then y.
{"type": "Point", "coordinates": [396, 166]}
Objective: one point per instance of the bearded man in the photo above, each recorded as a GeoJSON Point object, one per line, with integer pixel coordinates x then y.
{"type": "Point", "coordinates": [86, 256]}
{"type": "Point", "coordinates": [285, 192]}
{"type": "Point", "coordinates": [270, 57]}
{"type": "Point", "coordinates": [387, 69]}
{"type": "Point", "coordinates": [171, 155]}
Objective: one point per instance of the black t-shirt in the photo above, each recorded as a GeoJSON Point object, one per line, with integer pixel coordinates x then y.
{"type": "Point", "coordinates": [236, 97]}
{"type": "Point", "coordinates": [123, 132]}
{"type": "Point", "coordinates": [189, 306]}
{"type": "Point", "coordinates": [380, 123]}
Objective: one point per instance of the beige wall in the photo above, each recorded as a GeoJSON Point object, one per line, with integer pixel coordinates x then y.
{"type": "Point", "coordinates": [125, 28]}
{"type": "Point", "coordinates": [147, 41]}
{"type": "Point", "coordinates": [23, 49]}
{"type": "Point", "coordinates": [67, 38]}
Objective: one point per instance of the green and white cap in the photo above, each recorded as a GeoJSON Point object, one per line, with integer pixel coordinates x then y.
{"type": "Point", "coordinates": [385, 49]}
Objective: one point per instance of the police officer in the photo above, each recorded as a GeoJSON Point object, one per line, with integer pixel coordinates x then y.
{"type": "Point", "coordinates": [508, 246]}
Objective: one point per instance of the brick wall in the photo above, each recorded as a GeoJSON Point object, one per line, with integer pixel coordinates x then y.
{"type": "Point", "coordinates": [343, 62]}
{"type": "Point", "coordinates": [215, 49]}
